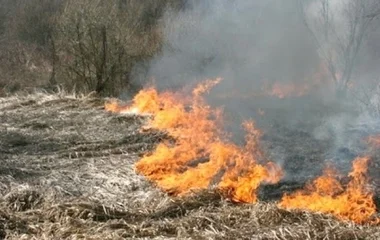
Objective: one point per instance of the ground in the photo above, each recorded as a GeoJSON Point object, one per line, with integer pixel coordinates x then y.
{"type": "Point", "coordinates": [67, 172]}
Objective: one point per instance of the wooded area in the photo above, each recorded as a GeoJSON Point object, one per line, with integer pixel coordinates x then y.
{"type": "Point", "coordinates": [85, 46]}
{"type": "Point", "coordinates": [82, 45]}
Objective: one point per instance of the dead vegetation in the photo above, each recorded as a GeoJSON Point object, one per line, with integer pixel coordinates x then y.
{"type": "Point", "coordinates": [82, 45]}
{"type": "Point", "coordinates": [67, 173]}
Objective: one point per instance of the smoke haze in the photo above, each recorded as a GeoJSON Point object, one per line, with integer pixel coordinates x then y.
{"type": "Point", "coordinates": [253, 45]}
{"type": "Point", "coordinates": [245, 43]}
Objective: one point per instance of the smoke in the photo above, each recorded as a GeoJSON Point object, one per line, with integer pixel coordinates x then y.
{"type": "Point", "coordinates": [247, 43]}
{"type": "Point", "coordinates": [252, 45]}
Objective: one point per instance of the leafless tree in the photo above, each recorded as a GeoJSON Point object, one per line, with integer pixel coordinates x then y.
{"type": "Point", "coordinates": [339, 29]}
{"type": "Point", "coordinates": [25, 28]}
{"type": "Point", "coordinates": [97, 42]}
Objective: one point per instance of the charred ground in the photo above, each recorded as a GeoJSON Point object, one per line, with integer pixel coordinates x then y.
{"type": "Point", "coordinates": [67, 173]}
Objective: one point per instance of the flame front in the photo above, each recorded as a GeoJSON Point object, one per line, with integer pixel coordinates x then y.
{"type": "Point", "coordinates": [199, 157]}
{"type": "Point", "coordinates": [327, 195]}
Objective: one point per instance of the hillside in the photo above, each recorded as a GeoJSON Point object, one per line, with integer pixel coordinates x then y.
{"type": "Point", "coordinates": [68, 173]}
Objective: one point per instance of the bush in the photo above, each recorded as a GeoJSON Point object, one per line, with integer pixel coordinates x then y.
{"type": "Point", "coordinates": [32, 21]}
{"type": "Point", "coordinates": [86, 45]}
{"type": "Point", "coordinates": [98, 42]}
{"type": "Point", "coordinates": [25, 46]}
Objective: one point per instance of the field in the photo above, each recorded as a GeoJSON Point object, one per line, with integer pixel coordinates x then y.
{"type": "Point", "coordinates": [67, 172]}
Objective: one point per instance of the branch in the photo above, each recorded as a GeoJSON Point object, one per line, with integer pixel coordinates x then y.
{"type": "Point", "coordinates": [374, 14]}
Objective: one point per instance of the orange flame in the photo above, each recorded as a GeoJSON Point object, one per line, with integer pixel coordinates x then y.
{"type": "Point", "coordinates": [146, 101]}
{"type": "Point", "coordinates": [374, 141]}
{"type": "Point", "coordinates": [327, 195]}
{"type": "Point", "coordinates": [282, 90]}
{"type": "Point", "coordinates": [200, 157]}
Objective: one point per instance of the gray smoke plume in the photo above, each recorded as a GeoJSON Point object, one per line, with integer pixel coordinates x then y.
{"type": "Point", "coordinates": [247, 43]}
{"type": "Point", "coordinates": [253, 44]}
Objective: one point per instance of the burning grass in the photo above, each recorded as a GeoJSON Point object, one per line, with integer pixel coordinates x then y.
{"type": "Point", "coordinates": [326, 194]}
{"type": "Point", "coordinates": [196, 129]}
{"type": "Point", "coordinates": [237, 171]}
{"type": "Point", "coordinates": [68, 173]}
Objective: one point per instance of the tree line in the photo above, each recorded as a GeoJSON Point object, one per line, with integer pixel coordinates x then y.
{"type": "Point", "coordinates": [83, 45]}
{"type": "Point", "coordinates": [93, 45]}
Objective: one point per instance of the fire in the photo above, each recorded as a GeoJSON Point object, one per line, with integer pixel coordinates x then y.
{"type": "Point", "coordinates": [319, 80]}
{"type": "Point", "coordinates": [282, 90]}
{"type": "Point", "coordinates": [374, 141]}
{"type": "Point", "coordinates": [277, 90]}
{"type": "Point", "coordinates": [327, 195]}
{"type": "Point", "coordinates": [145, 102]}
{"type": "Point", "coordinates": [113, 106]}
{"type": "Point", "coordinates": [201, 156]}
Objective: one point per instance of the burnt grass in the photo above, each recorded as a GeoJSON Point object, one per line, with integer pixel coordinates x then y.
{"type": "Point", "coordinates": [67, 173]}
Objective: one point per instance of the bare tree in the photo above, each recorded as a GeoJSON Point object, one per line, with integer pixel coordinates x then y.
{"type": "Point", "coordinates": [376, 11]}
{"type": "Point", "coordinates": [339, 29]}
{"type": "Point", "coordinates": [98, 42]}
{"type": "Point", "coordinates": [25, 28]}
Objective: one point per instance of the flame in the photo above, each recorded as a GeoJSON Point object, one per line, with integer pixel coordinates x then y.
{"type": "Point", "coordinates": [146, 101]}
{"type": "Point", "coordinates": [327, 195]}
{"type": "Point", "coordinates": [319, 80]}
{"type": "Point", "coordinates": [200, 157]}
{"type": "Point", "coordinates": [374, 141]}
{"type": "Point", "coordinates": [277, 90]}
{"type": "Point", "coordinates": [113, 106]}
{"type": "Point", "coordinates": [282, 90]}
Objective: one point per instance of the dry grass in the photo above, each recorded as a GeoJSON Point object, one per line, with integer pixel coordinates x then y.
{"type": "Point", "coordinates": [67, 173]}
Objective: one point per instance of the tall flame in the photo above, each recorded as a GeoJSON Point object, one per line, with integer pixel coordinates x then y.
{"type": "Point", "coordinates": [327, 195]}
{"type": "Point", "coordinates": [200, 157]}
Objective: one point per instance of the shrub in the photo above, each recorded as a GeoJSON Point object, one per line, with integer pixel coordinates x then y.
{"type": "Point", "coordinates": [98, 42]}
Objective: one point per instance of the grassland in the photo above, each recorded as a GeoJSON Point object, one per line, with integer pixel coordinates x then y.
{"type": "Point", "coordinates": [67, 173]}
